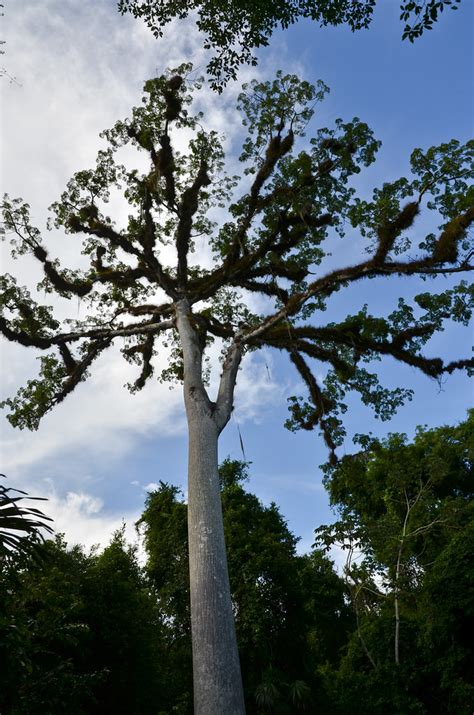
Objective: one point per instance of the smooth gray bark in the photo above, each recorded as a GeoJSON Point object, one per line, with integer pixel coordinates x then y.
{"type": "Point", "coordinates": [216, 667]}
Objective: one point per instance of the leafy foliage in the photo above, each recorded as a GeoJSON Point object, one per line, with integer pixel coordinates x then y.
{"type": "Point", "coordinates": [420, 16]}
{"type": "Point", "coordinates": [79, 633]}
{"type": "Point", "coordinates": [406, 524]}
{"type": "Point", "coordinates": [44, 638]}
{"type": "Point", "coordinates": [233, 29]}
{"type": "Point", "coordinates": [272, 244]}
{"type": "Point", "coordinates": [92, 633]}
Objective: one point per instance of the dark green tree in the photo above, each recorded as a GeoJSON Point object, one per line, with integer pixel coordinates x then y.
{"type": "Point", "coordinates": [80, 633]}
{"type": "Point", "coordinates": [127, 642]}
{"type": "Point", "coordinates": [406, 521]}
{"type": "Point", "coordinates": [272, 245]}
{"type": "Point", "coordinates": [447, 608]}
{"type": "Point", "coordinates": [164, 525]}
{"type": "Point", "coordinates": [88, 633]}
{"type": "Point", "coordinates": [233, 29]}
{"type": "Point", "coordinates": [44, 636]}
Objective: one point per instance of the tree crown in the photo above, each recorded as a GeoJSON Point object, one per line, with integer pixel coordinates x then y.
{"type": "Point", "coordinates": [262, 281]}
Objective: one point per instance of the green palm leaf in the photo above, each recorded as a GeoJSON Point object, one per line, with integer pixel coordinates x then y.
{"type": "Point", "coordinates": [19, 524]}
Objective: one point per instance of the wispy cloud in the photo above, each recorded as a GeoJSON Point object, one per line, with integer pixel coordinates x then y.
{"type": "Point", "coordinates": [81, 517]}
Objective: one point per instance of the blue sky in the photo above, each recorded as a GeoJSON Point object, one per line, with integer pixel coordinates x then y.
{"type": "Point", "coordinates": [81, 67]}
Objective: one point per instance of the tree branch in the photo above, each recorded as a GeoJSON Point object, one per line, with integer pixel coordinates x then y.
{"type": "Point", "coordinates": [165, 163]}
{"type": "Point", "coordinates": [102, 230]}
{"type": "Point", "coordinates": [321, 403]}
{"type": "Point", "coordinates": [276, 149]}
{"type": "Point", "coordinates": [164, 280]}
{"type": "Point", "coordinates": [79, 369]}
{"type": "Point", "coordinates": [188, 207]}
{"type": "Point", "coordinates": [225, 396]}
{"type": "Point", "coordinates": [149, 327]}
{"type": "Point", "coordinates": [329, 283]}
{"type": "Point", "coordinates": [44, 342]}
{"type": "Point", "coordinates": [22, 337]}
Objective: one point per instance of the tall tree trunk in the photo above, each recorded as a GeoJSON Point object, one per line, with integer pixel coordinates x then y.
{"type": "Point", "coordinates": [216, 668]}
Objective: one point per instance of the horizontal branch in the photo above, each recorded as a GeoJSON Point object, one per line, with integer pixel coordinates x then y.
{"type": "Point", "coordinates": [150, 327]}
{"type": "Point", "coordinates": [148, 309]}
{"type": "Point", "coordinates": [45, 342]}
{"type": "Point", "coordinates": [102, 230]}
{"type": "Point", "coordinates": [62, 284]}
{"type": "Point", "coordinates": [22, 337]}
{"type": "Point", "coordinates": [328, 284]}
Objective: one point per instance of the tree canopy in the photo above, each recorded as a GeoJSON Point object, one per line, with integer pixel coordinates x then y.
{"type": "Point", "coordinates": [234, 29]}
{"type": "Point", "coordinates": [406, 523]}
{"type": "Point", "coordinates": [271, 243]}
{"type": "Point", "coordinates": [263, 282]}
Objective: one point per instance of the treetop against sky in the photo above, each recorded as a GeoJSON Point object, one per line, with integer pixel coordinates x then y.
{"type": "Point", "coordinates": [89, 95]}
{"type": "Point", "coordinates": [270, 244]}
{"type": "Point", "coordinates": [233, 30]}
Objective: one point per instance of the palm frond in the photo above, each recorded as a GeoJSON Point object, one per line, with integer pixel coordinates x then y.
{"type": "Point", "coordinates": [19, 523]}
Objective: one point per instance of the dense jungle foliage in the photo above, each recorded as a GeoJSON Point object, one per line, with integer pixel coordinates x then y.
{"type": "Point", "coordinates": [89, 632]}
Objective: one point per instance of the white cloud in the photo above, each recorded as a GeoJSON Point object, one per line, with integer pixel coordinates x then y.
{"type": "Point", "coordinates": [81, 517]}
{"type": "Point", "coordinates": [151, 487]}
{"type": "Point", "coordinates": [100, 416]}
{"type": "Point", "coordinates": [257, 388]}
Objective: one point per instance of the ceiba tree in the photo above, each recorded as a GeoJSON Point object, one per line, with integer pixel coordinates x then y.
{"type": "Point", "coordinates": [233, 29]}
{"type": "Point", "coordinates": [143, 288]}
